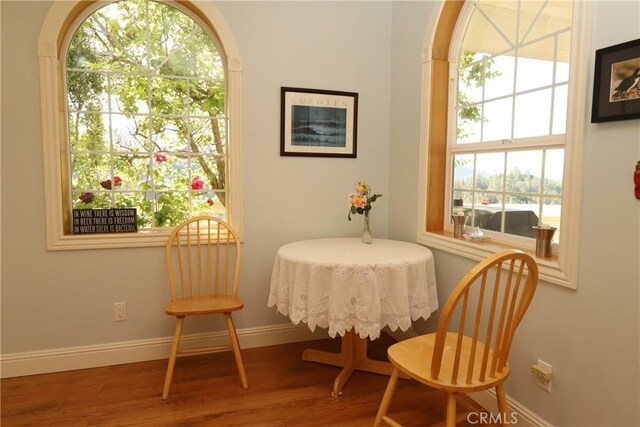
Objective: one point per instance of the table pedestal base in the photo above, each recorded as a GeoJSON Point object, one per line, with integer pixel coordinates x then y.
{"type": "Point", "coordinates": [353, 356]}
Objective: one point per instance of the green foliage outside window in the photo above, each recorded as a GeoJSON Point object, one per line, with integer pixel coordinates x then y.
{"type": "Point", "coordinates": [146, 114]}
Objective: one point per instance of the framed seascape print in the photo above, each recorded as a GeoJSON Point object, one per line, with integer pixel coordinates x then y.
{"type": "Point", "coordinates": [616, 86]}
{"type": "Point", "coordinates": [318, 123]}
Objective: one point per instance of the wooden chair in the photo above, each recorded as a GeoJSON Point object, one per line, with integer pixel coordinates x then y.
{"type": "Point", "coordinates": [499, 289]}
{"type": "Point", "coordinates": [203, 262]}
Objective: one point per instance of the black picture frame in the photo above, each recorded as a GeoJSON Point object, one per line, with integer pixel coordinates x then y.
{"type": "Point", "coordinates": [616, 85]}
{"type": "Point", "coordinates": [318, 123]}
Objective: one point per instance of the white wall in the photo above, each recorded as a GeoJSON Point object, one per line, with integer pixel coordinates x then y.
{"type": "Point", "coordinates": [54, 300]}
{"type": "Point", "coordinates": [591, 336]}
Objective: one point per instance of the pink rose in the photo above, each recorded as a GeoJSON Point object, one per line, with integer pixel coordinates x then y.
{"type": "Point", "coordinates": [160, 157]}
{"type": "Point", "coordinates": [197, 183]}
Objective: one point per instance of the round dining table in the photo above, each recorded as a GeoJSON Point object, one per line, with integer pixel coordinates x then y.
{"type": "Point", "coordinates": [354, 290]}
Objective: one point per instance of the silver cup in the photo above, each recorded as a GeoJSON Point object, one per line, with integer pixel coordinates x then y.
{"type": "Point", "coordinates": [543, 241]}
{"type": "Point", "coordinates": [459, 225]}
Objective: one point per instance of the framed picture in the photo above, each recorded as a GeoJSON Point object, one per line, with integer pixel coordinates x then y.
{"type": "Point", "coordinates": [616, 86]}
{"type": "Point", "coordinates": [319, 123]}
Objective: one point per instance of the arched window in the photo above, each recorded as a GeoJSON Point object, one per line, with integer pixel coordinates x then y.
{"type": "Point", "coordinates": [504, 141]}
{"type": "Point", "coordinates": [150, 117]}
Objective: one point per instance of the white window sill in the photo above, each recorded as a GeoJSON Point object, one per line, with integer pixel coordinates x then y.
{"type": "Point", "coordinates": [549, 268]}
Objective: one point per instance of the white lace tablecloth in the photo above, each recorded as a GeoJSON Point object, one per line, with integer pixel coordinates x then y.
{"type": "Point", "coordinates": [342, 283]}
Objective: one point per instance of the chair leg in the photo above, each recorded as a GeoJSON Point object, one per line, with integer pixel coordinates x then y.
{"type": "Point", "coordinates": [386, 399]}
{"type": "Point", "coordinates": [172, 358]}
{"type": "Point", "coordinates": [502, 403]}
{"type": "Point", "coordinates": [236, 350]}
{"type": "Point", "coordinates": [451, 410]}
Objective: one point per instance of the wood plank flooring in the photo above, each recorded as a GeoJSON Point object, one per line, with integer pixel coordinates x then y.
{"type": "Point", "coordinates": [206, 391]}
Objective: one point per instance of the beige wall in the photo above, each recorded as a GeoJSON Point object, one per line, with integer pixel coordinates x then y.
{"type": "Point", "coordinates": [54, 300]}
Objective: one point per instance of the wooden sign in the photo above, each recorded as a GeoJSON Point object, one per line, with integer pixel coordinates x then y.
{"type": "Point", "coordinates": [116, 220]}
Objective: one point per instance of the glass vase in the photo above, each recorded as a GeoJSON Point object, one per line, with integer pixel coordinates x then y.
{"type": "Point", "coordinates": [366, 233]}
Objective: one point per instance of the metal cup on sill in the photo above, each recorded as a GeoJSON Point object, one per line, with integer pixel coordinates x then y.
{"type": "Point", "coordinates": [544, 236]}
{"type": "Point", "coordinates": [459, 224]}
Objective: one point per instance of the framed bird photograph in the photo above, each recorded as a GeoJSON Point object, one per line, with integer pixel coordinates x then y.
{"type": "Point", "coordinates": [616, 84]}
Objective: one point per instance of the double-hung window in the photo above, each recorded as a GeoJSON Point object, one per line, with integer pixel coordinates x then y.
{"type": "Point", "coordinates": [509, 156]}
{"type": "Point", "coordinates": [506, 144]}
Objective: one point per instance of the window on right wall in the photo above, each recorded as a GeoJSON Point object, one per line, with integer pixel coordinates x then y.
{"type": "Point", "coordinates": [506, 155]}
{"type": "Point", "coordinates": [510, 154]}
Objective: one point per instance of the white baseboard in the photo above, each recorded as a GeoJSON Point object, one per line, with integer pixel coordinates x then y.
{"type": "Point", "coordinates": [71, 358]}
{"type": "Point", "coordinates": [525, 417]}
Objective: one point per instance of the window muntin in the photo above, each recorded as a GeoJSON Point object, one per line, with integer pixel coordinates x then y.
{"type": "Point", "coordinates": [506, 154]}
{"type": "Point", "coordinates": [147, 121]}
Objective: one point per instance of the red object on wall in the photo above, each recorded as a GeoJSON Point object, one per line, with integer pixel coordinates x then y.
{"type": "Point", "coordinates": [636, 180]}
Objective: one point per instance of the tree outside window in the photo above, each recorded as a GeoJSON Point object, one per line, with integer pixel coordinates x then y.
{"type": "Point", "coordinates": [147, 120]}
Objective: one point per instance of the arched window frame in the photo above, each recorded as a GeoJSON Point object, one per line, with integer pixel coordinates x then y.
{"type": "Point", "coordinates": [436, 93]}
{"type": "Point", "coordinates": [56, 26]}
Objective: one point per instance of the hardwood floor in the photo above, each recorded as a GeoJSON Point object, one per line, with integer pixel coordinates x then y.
{"type": "Point", "coordinates": [283, 391]}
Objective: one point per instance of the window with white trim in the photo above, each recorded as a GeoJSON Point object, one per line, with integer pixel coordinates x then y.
{"type": "Point", "coordinates": [503, 143]}
{"type": "Point", "coordinates": [506, 148]}
{"type": "Point", "coordinates": [140, 108]}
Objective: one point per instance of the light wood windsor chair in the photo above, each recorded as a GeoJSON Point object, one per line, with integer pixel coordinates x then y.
{"type": "Point", "coordinates": [203, 261]}
{"type": "Point", "coordinates": [502, 286]}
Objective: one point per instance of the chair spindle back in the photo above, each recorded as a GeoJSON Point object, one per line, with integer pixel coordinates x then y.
{"type": "Point", "coordinates": [491, 300]}
{"type": "Point", "coordinates": [203, 258]}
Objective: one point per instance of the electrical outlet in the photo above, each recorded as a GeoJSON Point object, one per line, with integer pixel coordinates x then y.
{"type": "Point", "coordinates": [119, 311]}
{"type": "Point", "coordinates": [542, 371]}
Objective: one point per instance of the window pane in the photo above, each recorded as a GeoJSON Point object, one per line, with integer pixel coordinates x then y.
{"type": "Point", "coordinates": [89, 170]}
{"type": "Point", "coordinates": [89, 132]}
{"type": "Point", "coordinates": [560, 102]}
{"type": "Point", "coordinates": [553, 171]}
{"type": "Point", "coordinates": [497, 120]}
{"type": "Point", "coordinates": [463, 171]}
{"type": "Point", "coordinates": [524, 169]}
{"type": "Point", "coordinates": [564, 49]}
{"type": "Point", "coordinates": [489, 171]}
{"type": "Point", "coordinates": [168, 134]}
{"type": "Point", "coordinates": [521, 215]}
{"type": "Point", "coordinates": [532, 114]}
{"type": "Point", "coordinates": [129, 94]}
{"type": "Point", "coordinates": [535, 73]}
{"type": "Point", "coordinates": [498, 75]}
{"type": "Point", "coordinates": [172, 208]}
{"type": "Point", "coordinates": [133, 171]}
{"type": "Point", "coordinates": [208, 203]}
{"type": "Point", "coordinates": [207, 97]}
{"type": "Point", "coordinates": [487, 211]}
{"type": "Point", "coordinates": [171, 174]}
{"type": "Point", "coordinates": [169, 96]}
{"type": "Point", "coordinates": [468, 125]}
{"type": "Point", "coordinates": [551, 212]}
{"type": "Point", "coordinates": [208, 136]}
{"type": "Point", "coordinates": [130, 133]}
{"type": "Point", "coordinates": [87, 91]}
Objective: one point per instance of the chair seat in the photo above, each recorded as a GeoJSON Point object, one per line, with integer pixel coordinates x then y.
{"type": "Point", "coordinates": [413, 357]}
{"type": "Point", "coordinates": [203, 305]}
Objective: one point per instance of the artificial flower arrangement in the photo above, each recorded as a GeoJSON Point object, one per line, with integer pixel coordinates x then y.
{"type": "Point", "coordinates": [361, 201]}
